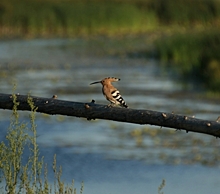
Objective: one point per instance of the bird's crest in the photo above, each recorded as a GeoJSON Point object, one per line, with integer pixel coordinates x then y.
{"type": "Point", "coordinates": [106, 80]}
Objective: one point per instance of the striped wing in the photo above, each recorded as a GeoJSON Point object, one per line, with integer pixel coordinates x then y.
{"type": "Point", "coordinates": [117, 99]}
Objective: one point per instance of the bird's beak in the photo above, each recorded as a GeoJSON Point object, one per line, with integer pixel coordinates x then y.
{"type": "Point", "coordinates": [95, 82]}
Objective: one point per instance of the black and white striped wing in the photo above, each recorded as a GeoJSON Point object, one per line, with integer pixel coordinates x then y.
{"type": "Point", "coordinates": [118, 98]}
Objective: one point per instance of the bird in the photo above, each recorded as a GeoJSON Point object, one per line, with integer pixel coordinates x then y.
{"type": "Point", "coordinates": [110, 92]}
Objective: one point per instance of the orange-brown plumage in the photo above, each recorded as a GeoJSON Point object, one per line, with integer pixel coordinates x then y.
{"type": "Point", "coordinates": [110, 92]}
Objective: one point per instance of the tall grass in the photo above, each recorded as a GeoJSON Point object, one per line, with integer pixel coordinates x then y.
{"type": "Point", "coordinates": [69, 18]}
{"type": "Point", "coordinates": [194, 55]}
{"type": "Point", "coordinates": [162, 185]}
{"type": "Point", "coordinates": [90, 17]}
{"type": "Point", "coordinates": [21, 176]}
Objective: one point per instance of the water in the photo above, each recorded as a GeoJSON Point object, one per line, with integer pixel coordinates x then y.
{"type": "Point", "coordinates": [112, 157]}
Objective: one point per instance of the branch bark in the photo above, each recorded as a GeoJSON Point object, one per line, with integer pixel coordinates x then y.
{"type": "Point", "coordinates": [96, 111]}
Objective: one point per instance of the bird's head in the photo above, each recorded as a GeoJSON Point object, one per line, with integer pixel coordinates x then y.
{"type": "Point", "coordinates": [106, 80]}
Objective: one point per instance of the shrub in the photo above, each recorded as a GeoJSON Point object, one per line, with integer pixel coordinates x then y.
{"type": "Point", "coordinates": [21, 177]}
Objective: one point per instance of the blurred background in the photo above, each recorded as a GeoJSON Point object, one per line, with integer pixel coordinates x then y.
{"type": "Point", "coordinates": [167, 54]}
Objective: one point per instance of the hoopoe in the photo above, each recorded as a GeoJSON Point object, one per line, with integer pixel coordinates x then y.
{"type": "Point", "coordinates": [110, 92]}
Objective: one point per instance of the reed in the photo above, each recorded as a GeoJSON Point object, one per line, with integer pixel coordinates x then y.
{"type": "Point", "coordinates": [194, 55]}
{"type": "Point", "coordinates": [69, 18]}
{"type": "Point", "coordinates": [72, 18]}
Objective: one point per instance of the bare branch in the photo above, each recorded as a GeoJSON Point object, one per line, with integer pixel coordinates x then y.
{"type": "Point", "coordinates": [96, 111]}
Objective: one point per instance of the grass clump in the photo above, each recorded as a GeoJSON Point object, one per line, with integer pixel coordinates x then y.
{"type": "Point", "coordinates": [194, 55]}
{"type": "Point", "coordinates": [21, 176]}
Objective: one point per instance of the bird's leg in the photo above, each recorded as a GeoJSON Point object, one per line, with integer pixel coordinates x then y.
{"type": "Point", "coordinates": [111, 105]}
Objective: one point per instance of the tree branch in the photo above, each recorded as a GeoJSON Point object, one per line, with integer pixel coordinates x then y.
{"type": "Point", "coordinates": [96, 111]}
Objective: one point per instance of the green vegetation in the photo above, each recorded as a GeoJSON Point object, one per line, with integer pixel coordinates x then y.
{"type": "Point", "coordinates": [194, 55]}
{"type": "Point", "coordinates": [162, 185]}
{"type": "Point", "coordinates": [165, 140]}
{"type": "Point", "coordinates": [186, 11]}
{"type": "Point", "coordinates": [69, 18]}
{"type": "Point", "coordinates": [26, 178]}
{"type": "Point", "coordinates": [193, 47]}
{"type": "Point", "coordinates": [186, 30]}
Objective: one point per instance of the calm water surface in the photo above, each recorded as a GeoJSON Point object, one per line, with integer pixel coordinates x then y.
{"type": "Point", "coordinates": [112, 157]}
